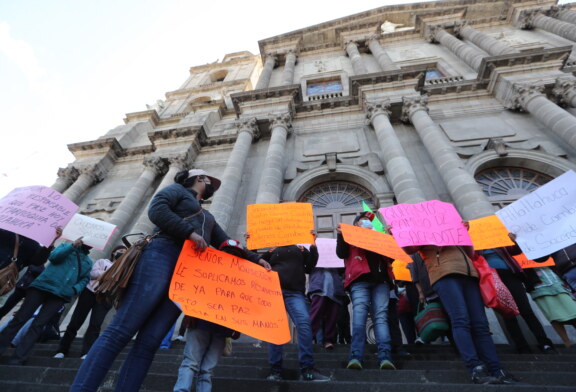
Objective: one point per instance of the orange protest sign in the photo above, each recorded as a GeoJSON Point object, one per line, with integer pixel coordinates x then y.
{"type": "Point", "coordinates": [279, 224]}
{"type": "Point", "coordinates": [488, 233]}
{"type": "Point", "coordinates": [527, 263]}
{"type": "Point", "coordinates": [374, 241]}
{"type": "Point", "coordinates": [401, 271]}
{"type": "Point", "coordinates": [233, 292]}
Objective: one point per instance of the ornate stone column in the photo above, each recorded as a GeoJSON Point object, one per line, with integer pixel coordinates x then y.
{"type": "Point", "coordinates": [177, 164]}
{"type": "Point", "coordinates": [483, 41]}
{"type": "Point", "coordinates": [532, 100]}
{"type": "Point", "coordinates": [563, 13]}
{"type": "Point", "coordinates": [565, 91]}
{"type": "Point", "coordinates": [398, 168]}
{"type": "Point", "coordinates": [153, 166]}
{"type": "Point", "coordinates": [468, 54]}
{"type": "Point", "coordinates": [383, 59]}
{"type": "Point", "coordinates": [66, 176]}
{"type": "Point", "coordinates": [289, 64]}
{"type": "Point", "coordinates": [266, 74]}
{"type": "Point", "coordinates": [465, 191]}
{"type": "Point", "coordinates": [270, 188]}
{"type": "Point", "coordinates": [535, 18]}
{"type": "Point", "coordinates": [88, 177]}
{"type": "Point", "coordinates": [357, 62]}
{"type": "Point", "coordinates": [225, 197]}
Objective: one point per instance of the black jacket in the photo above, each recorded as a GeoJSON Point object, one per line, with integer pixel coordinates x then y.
{"type": "Point", "coordinates": [565, 259]}
{"type": "Point", "coordinates": [292, 262]}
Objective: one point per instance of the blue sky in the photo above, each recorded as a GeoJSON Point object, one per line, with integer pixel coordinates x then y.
{"type": "Point", "coordinates": [70, 70]}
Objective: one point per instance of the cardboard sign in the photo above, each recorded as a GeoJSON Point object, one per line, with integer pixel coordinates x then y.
{"type": "Point", "coordinates": [401, 271]}
{"type": "Point", "coordinates": [544, 221]}
{"type": "Point", "coordinates": [488, 233]}
{"type": "Point", "coordinates": [233, 292]}
{"type": "Point", "coordinates": [279, 224]}
{"type": "Point", "coordinates": [428, 223]}
{"type": "Point", "coordinates": [373, 241]}
{"type": "Point", "coordinates": [327, 254]}
{"type": "Point", "coordinates": [35, 212]}
{"type": "Point", "coordinates": [94, 232]}
{"type": "Point", "coordinates": [527, 263]}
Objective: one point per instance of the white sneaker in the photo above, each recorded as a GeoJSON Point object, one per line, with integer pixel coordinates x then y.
{"type": "Point", "coordinates": [83, 356]}
{"type": "Point", "coordinates": [59, 356]}
{"type": "Point", "coordinates": [419, 341]}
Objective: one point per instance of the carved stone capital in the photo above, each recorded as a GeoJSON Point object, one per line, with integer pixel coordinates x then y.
{"type": "Point", "coordinates": [249, 125]}
{"type": "Point", "coordinates": [458, 26]}
{"type": "Point", "coordinates": [352, 42]}
{"type": "Point", "coordinates": [157, 164]}
{"type": "Point", "coordinates": [272, 57]}
{"type": "Point", "coordinates": [564, 90]}
{"type": "Point", "coordinates": [522, 94]}
{"type": "Point", "coordinates": [431, 32]}
{"type": "Point", "coordinates": [283, 120]}
{"type": "Point", "coordinates": [372, 37]}
{"type": "Point", "coordinates": [373, 109]}
{"type": "Point", "coordinates": [95, 173]}
{"type": "Point", "coordinates": [527, 18]}
{"type": "Point", "coordinates": [555, 10]}
{"type": "Point", "coordinates": [411, 105]}
{"type": "Point", "coordinates": [68, 174]}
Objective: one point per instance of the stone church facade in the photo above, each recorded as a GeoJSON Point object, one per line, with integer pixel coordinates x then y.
{"type": "Point", "coordinates": [470, 102]}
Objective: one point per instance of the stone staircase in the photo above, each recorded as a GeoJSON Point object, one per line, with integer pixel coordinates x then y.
{"type": "Point", "coordinates": [427, 368]}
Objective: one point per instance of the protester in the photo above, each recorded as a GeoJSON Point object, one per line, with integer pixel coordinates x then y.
{"type": "Point", "coordinates": [406, 314]}
{"type": "Point", "coordinates": [19, 292]}
{"type": "Point", "coordinates": [145, 307]}
{"type": "Point", "coordinates": [513, 278]}
{"type": "Point", "coordinates": [455, 280]}
{"type": "Point", "coordinates": [87, 303]}
{"type": "Point", "coordinates": [394, 324]}
{"type": "Point", "coordinates": [65, 276]}
{"type": "Point", "coordinates": [369, 278]}
{"type": "Point", "coordinates": [564, 264]}
{"type": "Point", "coordinates": [205, 343]}
{"type": "Point", "coordinates": [326, 293]}
{"type": "Point", "coordinates": [292, 263]}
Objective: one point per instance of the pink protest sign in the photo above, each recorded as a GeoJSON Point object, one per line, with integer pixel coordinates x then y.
{"type": "Point", "coordinates": [327, 254]}
{"type": "Point", "coordinates": [428, 223]}
{"type": "Point", "coordinates": [35, 211]}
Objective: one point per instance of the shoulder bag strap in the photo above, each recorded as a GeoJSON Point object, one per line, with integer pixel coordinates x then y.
{"type": "Point", "coordinates": [79, 265]}
{"type": "Point", "coordinates": [16, 248]}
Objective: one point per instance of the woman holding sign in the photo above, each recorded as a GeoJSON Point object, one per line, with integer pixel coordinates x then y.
{"type": "Point", "coordinates": [368, 277]}
{"type": "Point", "coordinates": [145, 308]}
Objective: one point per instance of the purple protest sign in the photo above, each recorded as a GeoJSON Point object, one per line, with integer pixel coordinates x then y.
{"type": "Point", "coordinates": [35, 211]}
{"type": "Point", "coordinates": [428, 223]}
{"type": "Point", "coordinates": [327, 254]}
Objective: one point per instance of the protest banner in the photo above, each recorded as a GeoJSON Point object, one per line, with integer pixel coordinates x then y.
{"type": "Point", "coordinates": [327, 254]}
{"type": "Point", "coordinates": [35, 212]}
{"type": "Point", "coordinates": [94, 232]}
{"type": "Point", "coordinates": [373, 241]}
{"type": "Point", "coordinates": [401, 271]}
{"type": "Point", "coordinates": [230, 291]}
{"type": "Point", "coordinates": [527, 263]}
{"type": "Point", "coordinates": [544, 221]}
{"type": "Point", "coordinates": [488, 233]}
{"type": "Point", "coordinates": [428, 223]}
{"type": "Point", "coordinates": [279, 224]}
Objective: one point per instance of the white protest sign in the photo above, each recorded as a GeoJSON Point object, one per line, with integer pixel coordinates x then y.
{"type": "Point", "coordinates": [327, 254]}
{"type": "Point", "coordinates": [544, 221]}
{"type": "Point", "coordinates": [94, 232]}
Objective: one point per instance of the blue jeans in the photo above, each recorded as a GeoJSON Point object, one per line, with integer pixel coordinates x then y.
{"type": "Point", "coordinates": [373, 298]}
{"type": "Point", "coordinates": [145, 309]}
{"type": "Point", "coordinates": [570, 278]}
{"type": "Point", "coordinates": [201, 354]}
{"type": "Point", "coordinates": [461, 298]}
{"type": "Point", "coordinates": [297, 308]}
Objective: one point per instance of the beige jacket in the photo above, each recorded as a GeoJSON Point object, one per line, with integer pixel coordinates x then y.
{"type": "Point", "coordinates": [446, 260]}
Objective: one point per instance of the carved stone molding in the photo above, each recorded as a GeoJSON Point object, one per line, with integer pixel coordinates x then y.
{"type": "Point", "coordinates": [410, 105]}
{"type": "Point", "coordinates": [527, 18]}
{"type": "Point", "coordinates": [69, 174]}
{"type": "Point", "coordinates": [497, 145]}
{"type": "Point", "coordinates": [157, 164]}
{"type": "Point", "coordinates": [430, 34]}
{"type": "Point", "coordinates": [555, 10]}
{"type": "Point", "coordinates": [522, 94]}
{"type": "Point", "coordinates": [249, 125]}
{"type": "Point", "coordinates": [564, 90]}
{"type": "Point", "coordinates": [283, 120]}
{"type": "Point", "coordinates": [373, 109]}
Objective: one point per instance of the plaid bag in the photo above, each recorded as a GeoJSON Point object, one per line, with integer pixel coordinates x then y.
{"type": "Point", "coordinates": [431, 322]}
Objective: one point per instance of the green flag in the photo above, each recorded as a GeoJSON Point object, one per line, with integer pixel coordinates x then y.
{"type": "Point", "coordinates": [378, 226]}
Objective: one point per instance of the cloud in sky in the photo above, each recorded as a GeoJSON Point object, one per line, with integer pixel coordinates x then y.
{"type": "Point", "coordinates": [21, 54]}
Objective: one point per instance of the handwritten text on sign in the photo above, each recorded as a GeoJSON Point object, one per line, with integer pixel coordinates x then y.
{"type": "Point", "coordinates": [233, 292]}
{"type": "Point", "coordinates": [428, 223]}
{"type": "Point", "coordinates": [327, 254]}
{"type": "Point", "coordinates": [488, 233]}
{"type": "Point", "coordinates": [373, 241]}
{"type": "Point", "coordinates": [94, 232]}
{"type": "Point", "coordinates": [279, 224]}
{"type": "Point", "coordinates": [544, 221]}
{"type": "Point", "coordinates": [35, 212]}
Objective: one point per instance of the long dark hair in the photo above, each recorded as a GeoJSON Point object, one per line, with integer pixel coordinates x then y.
{"type": "Point", "coordinates": [182, 178]}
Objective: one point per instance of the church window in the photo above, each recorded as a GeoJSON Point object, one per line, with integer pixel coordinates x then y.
{"type": "Point", "coordinates": [325, 87]}
{"type": "Point", "coordinates": [434, 73]}
{"type": "Point", "coordinates": [337, 195]}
